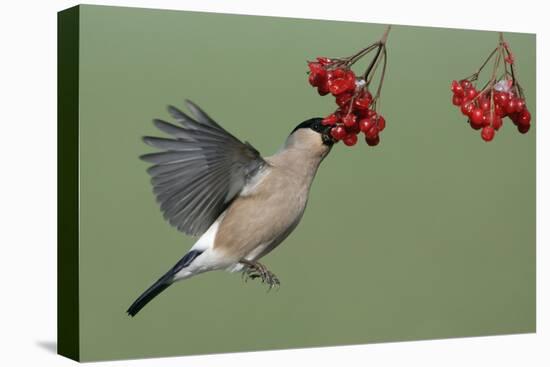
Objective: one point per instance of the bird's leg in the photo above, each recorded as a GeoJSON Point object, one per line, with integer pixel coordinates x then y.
{"type": "Point", "coordinates": [254, 269]}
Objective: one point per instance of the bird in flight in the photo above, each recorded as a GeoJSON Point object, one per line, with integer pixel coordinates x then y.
{"type": "Point", "coordinates": [241, 205]}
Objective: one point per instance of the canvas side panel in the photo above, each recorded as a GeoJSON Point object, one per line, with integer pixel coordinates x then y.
{"type": "Point", "coordinates": [67, 183]}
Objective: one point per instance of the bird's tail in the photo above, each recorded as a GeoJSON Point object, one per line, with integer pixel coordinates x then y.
{"type": "Point", "coordinates": [164, 282]}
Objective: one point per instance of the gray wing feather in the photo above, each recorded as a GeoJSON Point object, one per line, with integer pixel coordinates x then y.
{"type": "Point", "coordinates": [202, 117]}
{"type": "Point", "coordinates": [200, 169]}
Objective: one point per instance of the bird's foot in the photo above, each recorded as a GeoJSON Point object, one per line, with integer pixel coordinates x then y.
{"type": "Point", "coordinates": [253, 270]}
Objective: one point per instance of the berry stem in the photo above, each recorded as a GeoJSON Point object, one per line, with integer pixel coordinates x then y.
{"type": "Point", "coordinates": [491, 83]}
{"type": "Point", "coordinates": [373, 69]}
{"type": "Point", "coordinates": [515, 81]}
{"type": "Point", "coordinates": [502, 53]}
{"type": "Point", "coordinates": [373, 61]}
{"type": "Point", "coordinates": [382, 75]}
{"type": "Point", "coordinates": [385, 35]}
{"type": "Point", "coordinates": [381, 44]}
{"type": "Point", "coordinates": [495, 67]}
{"type": "Point", "coordinates": [475, 75]}
{"type": "Point", "coordinates": [354, 58]}
{"type": "Point", "coordinates": [491, 107]}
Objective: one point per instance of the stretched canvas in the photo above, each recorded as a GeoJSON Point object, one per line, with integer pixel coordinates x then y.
{"type": "Point", "coordinates": [423, 231]}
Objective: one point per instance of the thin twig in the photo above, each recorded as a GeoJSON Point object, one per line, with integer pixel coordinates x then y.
{"type": "Point", "coordinates": [381, 44]}
{"type": "Point", "coordinates": [373, 61]}
{"type": "Point", "coordinates": [371, 76]}
{"type": "Point", "coordinates": [475, 75]}
{"type": "Point", "coordinates": [385, 55]}
{"type": "Point", "coordinates": [353, 59]}
{"type": "Point", "coordinates": [385, 35]}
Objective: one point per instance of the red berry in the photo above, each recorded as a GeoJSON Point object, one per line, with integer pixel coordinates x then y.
{"type": "Point", "coordinates": [381, 123]}
{"type": "Point", "coordinates": [367, 113]}
{"type": "Point", "coordinates": [475, 126]}
{"type": "Point", "coordinates": [331, 119]}
{"type": "Point", "coordinates": [373, 141]}
{"type": "Point", "coordinates": [350, 80]}
{"type": "Point", "coordinates": [337, 86]}
{"type": "Point", "coordinates": [349, 120]}
{"type": "Point", "coordinates": [520, 105]}
{"type": "Point", "coordinates": [476, 116]}
{"type": "Point", "coordinates": [489, 117]}
{"type": "Point", "coordinates": [313, 80]}
{"type": "Point", "coordinates": [372, 132]}
{"type": "Point", "coordinates": [316, 68]}
{"type": "Point", "coordinates": [361, 114]}
{"type": "Point", "coordinates": [322, 89]}
{"type": "Point", "coordinates": [457, 89]}
{"type": "Point", "coordinates": [363, 101]}
{"type": "Point", "coordinates": [514, 117]}
{"type": "Point", "coordinates": [338, 132]}
{"type": "Point", "coordinates": [524, 118]}
{"type": "Point", "coordinates": [488, 133]}
{"type": "Point", "coordinates": [344, 99]}
{"type": "Point", "coordinates": [317, 80]}
{"type": "Point", "coordinates": [350, 140]}
{"type": "Point", "coordinates": [324, 60]}
{"type": "Point", "coordinates": [511, 105]}
{"type": "Point", "coordinates": [524, 128]}
{"type": "Point", "coordinates": [465, 84]}
{"type": "Point", "coordinates": [467, 107]}
{"type": "Point", "coordinates": [353, 129]}
{"type": "Point", "coordinates": [317, 74]}
{"type": "Point", "coordinates": [497, 122]}
{"type": "Point", "coordinates": [501, 98]}
{"type": "Point", "coordinates": [336, 73]}
{"type": "Point", "coordinates": [371, 113]}
{"type": "Point", "coordinates": [470, 93]}
{"type": "Point", "coordinates": [339, 73]}
{"type": "Point", "coordinates": [499, 110]}
{"type": "Point", "coordinates": [365, 124]}
{"type": "Point", "coordinates": [457, 100]}
{"type": "Point", "coordinates": [350, 75]}
{"type": "Point", "coordinates": [484, 104]}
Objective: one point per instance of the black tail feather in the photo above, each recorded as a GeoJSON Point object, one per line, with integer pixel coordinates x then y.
{"type": "Point", "coordinates": [151, 292]}
{"type": "Point", "coordinates": [160, 285]}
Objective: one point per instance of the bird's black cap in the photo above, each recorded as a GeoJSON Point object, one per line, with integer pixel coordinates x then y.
{"type": "Point", "coordinates": [316, 124]}
{"type": "Point", "coordinates": [313, 124]}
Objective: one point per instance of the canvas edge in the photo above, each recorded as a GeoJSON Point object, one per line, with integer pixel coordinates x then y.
{"type": "Point", "coordinates": [68, 328]}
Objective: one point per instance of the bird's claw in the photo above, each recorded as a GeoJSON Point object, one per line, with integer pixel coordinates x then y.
{"type": "Point", "coordinates": [258, 270]}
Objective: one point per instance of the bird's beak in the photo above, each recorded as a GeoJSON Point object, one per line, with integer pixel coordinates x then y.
{"type": "Point", "coordinates": [327, 138]}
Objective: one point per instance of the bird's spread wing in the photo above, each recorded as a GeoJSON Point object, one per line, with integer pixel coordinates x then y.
{"type": "Point", "coordinates": [200, 169]}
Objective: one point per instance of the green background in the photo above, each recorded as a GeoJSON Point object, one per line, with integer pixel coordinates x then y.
{"type": "Point", "coordinates": [429, 235]}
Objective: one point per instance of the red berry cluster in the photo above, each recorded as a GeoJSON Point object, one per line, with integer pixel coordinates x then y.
{"type": "Point", "coordinates": [354, 113]}
{"type": "Point", "coordinates": [486, 108]}
{"type": "Point", "coordinates": [357, 107]}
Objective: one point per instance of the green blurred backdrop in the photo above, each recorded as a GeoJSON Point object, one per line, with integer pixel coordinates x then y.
{"type": "Point", "coordinates": [429, 235]}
